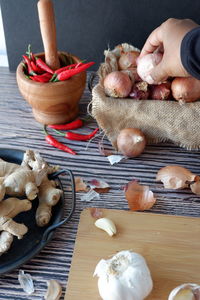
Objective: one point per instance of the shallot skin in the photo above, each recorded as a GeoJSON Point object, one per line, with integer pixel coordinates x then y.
{"type": "Point", "coordinates": [186, 89]}
{"type": "Point", "coordinates": [117, 84]}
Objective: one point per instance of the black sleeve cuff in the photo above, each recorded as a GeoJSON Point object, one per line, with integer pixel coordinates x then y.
{"type": "Point", "coordinates": [190, 52]}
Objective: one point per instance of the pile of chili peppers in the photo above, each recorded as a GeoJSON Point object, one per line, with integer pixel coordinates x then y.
{"type": "Point", "coordinates": [68, 135]}
{"type": "Point", "coordinates": [36, 69]}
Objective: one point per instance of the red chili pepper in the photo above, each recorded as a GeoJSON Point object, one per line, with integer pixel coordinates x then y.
{"type": "Point", "coordinates": [53, 142]}
{"type": "Point", "coordinates": [28, 63]}
{"type": "Point", "coordinates": [71, 72]}
{"type": "Point", "coordinates": [40, 63]}
{"type": "Point", "coordinates": [37, 69]}
{"type": "Point", "coordinates": [77, 136]}
{"type": "Point", "coordinates": [69, 126]}
{"type": "Point", "coordinates": [58, 71]}
{"type": "Point", "coordinates": [42, 78]}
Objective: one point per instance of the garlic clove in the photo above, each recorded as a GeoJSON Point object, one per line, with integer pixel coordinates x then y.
{"type": "Point", "coordinates": [175, 177]}
{"type": "Point", "coordinates": [54, 290]}
{"type": "Point", "coordinates": [106, 225]}
{"type": "Point", "coordinates": [187, 291]}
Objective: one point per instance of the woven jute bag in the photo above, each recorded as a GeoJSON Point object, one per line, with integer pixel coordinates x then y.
{"type": "Point", "coordinates": [159, 120]}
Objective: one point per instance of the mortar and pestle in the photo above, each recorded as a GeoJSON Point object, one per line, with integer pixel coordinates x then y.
{"type": "Point", "coordinates": [52, 102]}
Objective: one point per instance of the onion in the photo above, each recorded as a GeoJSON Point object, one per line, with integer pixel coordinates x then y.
{"type": "Point", "coordinates": [139, 197]}
{"type": "Point", "coordinates": [175, 177]}
{"type": "Point", "coordinates": [117, 84]}
{"type": "Point", "coordinates": [140, 91]}
{"type": "Point", "coordinates": [131, 142]}
{"type": "Point", "coordinates": [161, 91]}
{"type": "Point", "coordinates": [147, 63]}
{"type": "Point", "coordinates": [186, 89]}
{"type": "Point", "coordinates": [128, 60]}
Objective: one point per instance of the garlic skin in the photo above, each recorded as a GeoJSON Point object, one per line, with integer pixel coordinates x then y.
{"type": "Point", "coordinates": [106, 225]}
{"type": "Point", "coordinates": [125, 276]}
{"type": "Point", "coordinates": [186, 291]}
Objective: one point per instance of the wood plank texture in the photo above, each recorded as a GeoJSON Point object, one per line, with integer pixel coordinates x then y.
{"type": "Point", "coordinates": [170, 245]}
{"type": "Point", "coordinates": [19, 130]}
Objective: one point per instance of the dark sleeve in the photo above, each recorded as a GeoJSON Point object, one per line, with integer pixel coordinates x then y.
{"type": "Point", "coordinates": [190, 52]}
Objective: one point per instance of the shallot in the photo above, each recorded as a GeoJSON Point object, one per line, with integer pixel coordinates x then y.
{"type": "Point", "coordinates": [140, 91]}
{"type": "Point", "coordinates": [131, 142]}
{"type": "Point", "coordinates": [117, 84]}
{"type": "Point", "coordinates": [128, 60]}
{"type": "Point", "coordinates": [161, 91]}
{"type": "Point", "coordinates": [186, 89]}
{"type": "Point", "coordinates": [139, 197]}
{"type": "Point", "coordinates": [146, 63]}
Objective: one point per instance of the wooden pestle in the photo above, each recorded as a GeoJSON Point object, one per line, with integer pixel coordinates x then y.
{"type": "Point", "coordinates": [48, 32]}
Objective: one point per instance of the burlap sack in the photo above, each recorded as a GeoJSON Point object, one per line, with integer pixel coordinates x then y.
{"type": "Point", "coordinates": [159, 120]}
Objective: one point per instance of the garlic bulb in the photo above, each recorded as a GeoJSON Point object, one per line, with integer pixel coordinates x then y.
{"type": "Point", "coordinates": [187, 291]}
{"type": "Point", "coordinates": [125, 276]}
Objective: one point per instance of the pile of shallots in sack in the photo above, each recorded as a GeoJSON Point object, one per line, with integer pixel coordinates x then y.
{"type": "Point", "coordinates": [131, 77]}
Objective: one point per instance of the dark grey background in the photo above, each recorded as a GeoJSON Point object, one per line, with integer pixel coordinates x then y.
{"type": "Point", "coordinates": [87, 27]}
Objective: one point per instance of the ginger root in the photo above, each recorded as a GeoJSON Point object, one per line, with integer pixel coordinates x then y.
{"type": "Point", "coordinates": [48, 196]}
{"type": "Point", "coordinates": [9, 208]}
{"type": "Point", "coordinates": [29, 179]}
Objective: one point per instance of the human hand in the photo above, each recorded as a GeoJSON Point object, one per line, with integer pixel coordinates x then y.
{"type": "Point", "coordinates": [167, 38]}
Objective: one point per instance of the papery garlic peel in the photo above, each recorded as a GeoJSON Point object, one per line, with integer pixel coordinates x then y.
{"type": "Point", "coordinates": [125, 276]}
{"type": "Point", "coordinates": [175, 177]}
{"type": "Point", "coordinates": [106, 225]}
{"type": "Point", "coordinates": [186, 291]}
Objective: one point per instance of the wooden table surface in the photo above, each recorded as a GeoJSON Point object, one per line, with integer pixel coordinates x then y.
{"type": "Point", "coordinates": [19, 130]}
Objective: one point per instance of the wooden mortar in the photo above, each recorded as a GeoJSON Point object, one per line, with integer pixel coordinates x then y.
{"type": "Point", "coordinates": [52, 102]}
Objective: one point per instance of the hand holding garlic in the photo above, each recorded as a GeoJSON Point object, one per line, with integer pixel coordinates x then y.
{"type": "Point", "coordinates": [125, 276]}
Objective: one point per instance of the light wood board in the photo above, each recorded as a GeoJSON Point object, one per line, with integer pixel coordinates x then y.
{"type": "Point", "coordinates": [170, 245]}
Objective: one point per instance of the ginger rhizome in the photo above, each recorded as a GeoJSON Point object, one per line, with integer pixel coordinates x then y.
{"type": "Point", "coordinates": [30, 179]}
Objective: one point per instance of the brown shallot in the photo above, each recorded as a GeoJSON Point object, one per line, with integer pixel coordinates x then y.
{"type": "Point", "coordinates": [128, 60]}
{"type": "Point", "coordinates": [140, 91]}
{"type": "Point", "coordinates": [195, 187]}
{"type": "Point", "coordinates": [186, 89]}
{"type": "Point", "coordinates": [139, 197]}
{"type": "Point", "coordinates": [131, 142]}
{"type": "Point", "coordinates": [160, 91]}
{"type": "Point", "coordinates": [117, 84]}
{"type": "Point", "coordinates": [175, 177]}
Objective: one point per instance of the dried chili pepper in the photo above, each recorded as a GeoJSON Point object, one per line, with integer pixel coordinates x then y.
{"type": "Point", "coordinates": [28, 63]}
{"type": "Point", "coordinates": [77, 136]}
{"type": "Point", "coordinates": [41, 78]}
{"type": "Point", "coordinates": [69, 126]}
{"type": "Point", "coordinates": [55, 143]}
{"type": "Point", "coordinates": [40, 63]}
{"type": "Point", "coordinates": [71, 72]}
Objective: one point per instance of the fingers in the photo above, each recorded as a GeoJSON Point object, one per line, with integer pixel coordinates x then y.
{"type": "Point", "coordinates": [152, 43]}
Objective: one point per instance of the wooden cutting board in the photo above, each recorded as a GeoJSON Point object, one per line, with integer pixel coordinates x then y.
{"type": "Point", "coordinates": [170, 245]}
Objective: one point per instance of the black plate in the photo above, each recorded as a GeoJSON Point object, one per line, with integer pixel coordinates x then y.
{"type": "Point", "coordinates": [37, 237]}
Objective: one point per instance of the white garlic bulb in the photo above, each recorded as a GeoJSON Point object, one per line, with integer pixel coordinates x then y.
{"type": "Point", "coordinates": [125, 276]}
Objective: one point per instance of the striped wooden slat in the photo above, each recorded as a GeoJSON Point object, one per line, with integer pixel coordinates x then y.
{"type": "Point", "coordinates": [19, 130]}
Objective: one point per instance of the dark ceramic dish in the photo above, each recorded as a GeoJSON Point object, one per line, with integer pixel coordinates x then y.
{"type": "Point", "coordinates": [37, 237]}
